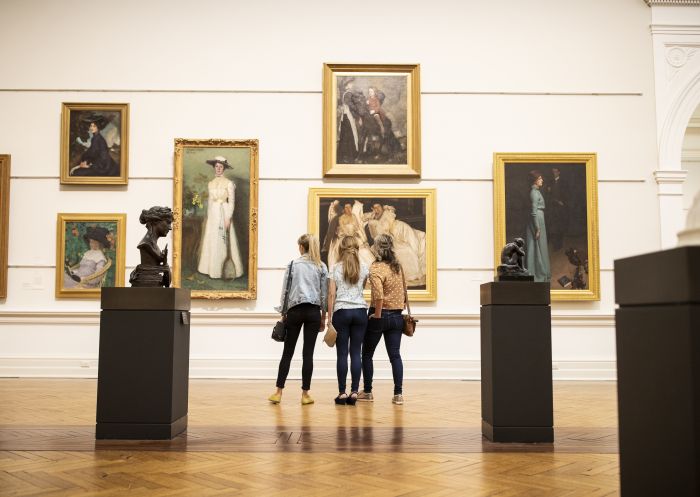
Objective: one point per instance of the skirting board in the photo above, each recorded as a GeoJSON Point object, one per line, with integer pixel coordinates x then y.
{"type": "Point", "coordinates": [235, 368]}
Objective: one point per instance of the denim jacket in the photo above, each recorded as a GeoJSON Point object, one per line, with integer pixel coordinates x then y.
{"type": "Point", "coordinates": [309, 284]}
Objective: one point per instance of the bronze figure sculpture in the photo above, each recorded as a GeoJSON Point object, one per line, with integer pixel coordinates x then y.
{"type": "Point", "coordinates": [512, 267]}
{"type": "Point", "coordinates": [153, 270]}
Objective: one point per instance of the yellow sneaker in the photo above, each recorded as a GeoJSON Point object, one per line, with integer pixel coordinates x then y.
{"type": "Point", "coordinates": [275, 398]}
{"type": "Point", "coordinates": [306, 400]}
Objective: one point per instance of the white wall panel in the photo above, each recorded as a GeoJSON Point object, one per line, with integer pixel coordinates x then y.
{"type": "Point", "coordinates": [507, 76]}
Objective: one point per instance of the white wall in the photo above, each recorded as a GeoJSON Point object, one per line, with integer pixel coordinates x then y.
{"type": "Point", "coordinates": [506, 76]}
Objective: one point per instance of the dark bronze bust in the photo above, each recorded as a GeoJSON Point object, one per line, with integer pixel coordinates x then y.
{"type": "Point", "coordinates": [153, 270]}
{"type": "Point", "coordinates": [512, 267]}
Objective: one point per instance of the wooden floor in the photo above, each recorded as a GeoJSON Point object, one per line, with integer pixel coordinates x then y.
{"type": "Point", "coordinates": [239, 444]}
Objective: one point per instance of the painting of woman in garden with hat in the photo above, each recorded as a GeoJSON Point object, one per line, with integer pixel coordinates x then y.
{"type": "Point", "coordinates": [90, 255]}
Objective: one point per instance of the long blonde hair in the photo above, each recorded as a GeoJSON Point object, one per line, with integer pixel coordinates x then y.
{"type": "Point", "coordinates": [311, 247]}
{"type": "Point", "coordinates": [350, 259]}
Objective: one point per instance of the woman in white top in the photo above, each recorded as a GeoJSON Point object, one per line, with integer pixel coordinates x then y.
{"type": "Point", "coordinates": [219, 238]}
{"type": "Point", "coordinates": [348, 315]}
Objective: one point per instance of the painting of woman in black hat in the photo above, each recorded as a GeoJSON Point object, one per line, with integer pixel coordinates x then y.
{"type": "Point", "coordinates": [94, 144]}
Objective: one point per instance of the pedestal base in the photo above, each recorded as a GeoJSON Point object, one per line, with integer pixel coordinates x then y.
{"type": "Point", "coordinates": [140, 431]}
{"type": "Point", "coordinates": [516, 362]}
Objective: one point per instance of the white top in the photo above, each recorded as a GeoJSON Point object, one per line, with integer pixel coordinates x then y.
{"type": "Point", "coordinates": [348, 296]}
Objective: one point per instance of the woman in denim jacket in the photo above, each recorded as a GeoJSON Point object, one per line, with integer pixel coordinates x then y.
{"type": "Point", "coordinates": [307, 305]}
{"type": "Point", "coordinates": [349, 315]}
{"type": "Point", "coordinates": [388, 300]}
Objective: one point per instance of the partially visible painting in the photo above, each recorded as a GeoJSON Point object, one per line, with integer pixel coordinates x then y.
{"type": "Point", "coordinates": [4, 221]}
{"type": "Point", "coordinates": [408, 215]}
{"type": "Point", "coordinates": [94, 143]}
{"type": "Point", "coordinates": [215, 229]}
{"type": "Point", "coordinates": [90, 253]}
{"type": "Point", "coordinates": [550, 200]}
{"type": "Point", "coordinates": [371, 120]}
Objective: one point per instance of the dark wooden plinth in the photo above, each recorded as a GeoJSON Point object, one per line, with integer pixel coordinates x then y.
{"type": "Point", "coordinates": [143, 369]}
{"type": "Point", "coordinates": [516, 362]}
{"type": "Point", "coordinates": [658, 371]}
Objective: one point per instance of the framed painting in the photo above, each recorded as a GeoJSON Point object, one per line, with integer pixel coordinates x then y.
{"type": "Point", "coordinates": [89, 254]}
{"type": "Point", "coordinates": [94, 144]}
{"type": "Point", "coordinates": [4, 221]}
{"type": "Point", "coordinates": [215, 228]}
{"type": "Point", "coordinates": [550, 200]}
{"type": "Point", "coordinates": [408, 215]}
{"type": "Point", "coordinates": [371, 120]}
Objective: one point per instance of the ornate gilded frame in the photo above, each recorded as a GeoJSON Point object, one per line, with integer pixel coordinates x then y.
{"type": "Point", "coordinates": [181, 144]}
{"type": "Point", "coordinates": [429, 294]}
{"type": "Point", "coordinates": [330, 97]}
{"type": "Point", "coordinates": [4, 221]}
{"type": "Point", "coordinates": [587, 160]}
{"type": "Point", "coordinates": [66, 178]}
{"type": "Point", "coordinates": [62, 219]}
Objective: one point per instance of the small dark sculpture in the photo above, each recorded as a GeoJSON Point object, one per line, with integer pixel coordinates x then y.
{"type": "Point", "coordinates": [512, 267]}
{"type": "Point", "coordinates": [153, 270]}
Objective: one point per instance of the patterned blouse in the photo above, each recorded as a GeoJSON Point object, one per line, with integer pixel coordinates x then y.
{"type": "Point", "coordinates": [348, 296]}
{"type": "Point", "coordinates": [387, 286]}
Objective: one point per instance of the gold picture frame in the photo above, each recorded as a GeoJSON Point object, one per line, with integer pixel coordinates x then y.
{"type": "Point", "coordinates": [83, 268]}
{"type": "Point", "coordinates": [371, 120]}
{"type": "Point", "coordinates": [196, 264]}
{"type": "Point", "coordinates": [410, 218]}
{"type": "Point", "coordinates": [560, 208]}
{"type": "Point", "coordinates": [4, 221]}
{"type": "Point", "coordinates": [94, 144]}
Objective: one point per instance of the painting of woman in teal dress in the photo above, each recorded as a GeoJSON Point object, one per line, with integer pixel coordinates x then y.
{"type": "Point", "coordinates": [537, 252]}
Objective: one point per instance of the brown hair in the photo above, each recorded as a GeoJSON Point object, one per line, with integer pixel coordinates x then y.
{"type": "Point", "coordinates": [384, 251]}
{"type": "Point", "coordinates": [350, 259]}
{"type": "Point", "coordinates": [311, 247]}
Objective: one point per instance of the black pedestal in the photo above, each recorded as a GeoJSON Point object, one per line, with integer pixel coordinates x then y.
{"type": "Point", "coordinates": [658, 372]}
{"type": "Point", "coordinates": [516, 362]}
{"type": "Point", "coordinates": [143, 369]}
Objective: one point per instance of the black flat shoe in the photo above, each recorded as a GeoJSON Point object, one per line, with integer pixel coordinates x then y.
{"type": "Point", "coordinates": [341, 401]}
{"type": "Point", "coordinates": [352, 399]}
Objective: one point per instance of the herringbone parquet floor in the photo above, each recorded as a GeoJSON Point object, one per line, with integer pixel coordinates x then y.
{"type": "Point", "coordinates": [238, 444]}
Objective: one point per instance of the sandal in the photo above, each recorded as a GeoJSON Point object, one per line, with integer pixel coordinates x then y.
{"type": "Point", "coordinates": [340, 400]}
{"type": "Point", "coordinates": [352, 399]}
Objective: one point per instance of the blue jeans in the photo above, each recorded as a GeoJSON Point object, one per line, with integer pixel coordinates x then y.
{"type": "Point", "coordinates": [350, 325]}
{"type": "Point", "coordinates": [391, 327]}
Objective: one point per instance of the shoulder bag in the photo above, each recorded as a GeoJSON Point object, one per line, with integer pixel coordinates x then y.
{"type": "Point", "coordinates": [409, 322]}
{"type": "Point", "coordinates": [279, 331]}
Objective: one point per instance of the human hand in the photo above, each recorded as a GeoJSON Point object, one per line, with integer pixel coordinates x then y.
{"type": "Point", "coordinates": [537, 235]}
{"type": "Point", "coordinates": [227, 224]}
{"type": "Point", "coordinates": [84, 165]}
{"type": "Point", "coordinates": [322, 328]}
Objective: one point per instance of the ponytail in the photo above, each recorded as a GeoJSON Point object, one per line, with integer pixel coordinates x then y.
{"type": "Point", "coordinates": [311, 247]}
{"type": "Point", "coordinates": [350, 259]}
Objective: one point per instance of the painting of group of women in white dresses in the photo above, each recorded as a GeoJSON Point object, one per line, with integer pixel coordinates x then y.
{"type": "Point", "coordinates": [365, 219]}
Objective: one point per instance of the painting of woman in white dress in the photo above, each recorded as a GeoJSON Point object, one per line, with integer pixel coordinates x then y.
{"type": "Point", "coordinates": [215, 237]}
{"type": "Point", "coordinates": [406, 215]}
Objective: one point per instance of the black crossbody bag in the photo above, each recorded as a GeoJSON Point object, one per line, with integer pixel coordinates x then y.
{"type": "Point", "coordinates": [279, 331]}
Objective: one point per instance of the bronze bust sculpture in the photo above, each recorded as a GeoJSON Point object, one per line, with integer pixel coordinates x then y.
{"type": "Point", "coordinates": [153, 270]}
{"type": "Point", "coordinates": [512, 267]}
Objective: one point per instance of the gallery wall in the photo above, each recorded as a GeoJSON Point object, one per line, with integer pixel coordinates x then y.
{"type": "Point", "coordinates": [506, 76]}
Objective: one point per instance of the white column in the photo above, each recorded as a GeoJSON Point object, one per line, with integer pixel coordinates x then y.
{"type": "Point", "coordinates": [671, 214]}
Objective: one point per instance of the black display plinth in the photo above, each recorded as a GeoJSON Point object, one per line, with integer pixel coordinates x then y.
{"type": "Point", "coordinates": [658, 372]}
{"type": "Point", "coordinates": [516, 362]}
{"type": "Point", "coordinates": [143, 368]}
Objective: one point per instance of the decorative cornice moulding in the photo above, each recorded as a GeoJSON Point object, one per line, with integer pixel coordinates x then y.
{"type": "Point", "coordinates": [652, 3]}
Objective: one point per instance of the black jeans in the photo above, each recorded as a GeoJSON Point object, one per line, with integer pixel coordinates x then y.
{"type": "Point", "coordinates": [350, 325]}
{"type": "Point", "coordinates": [308, 315]}
{"type": "Point", "coordinates": [391, 327]}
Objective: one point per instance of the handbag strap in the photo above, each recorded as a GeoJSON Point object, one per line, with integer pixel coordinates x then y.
{"type": "Point", "coordinates": [286, 291]}
{"type": "Point", "coordinates": [405, 292]}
